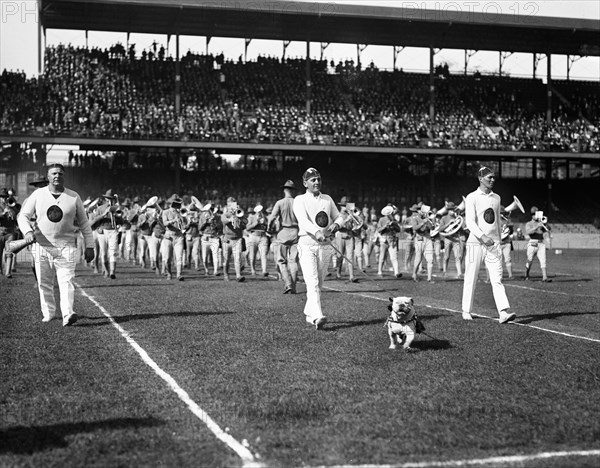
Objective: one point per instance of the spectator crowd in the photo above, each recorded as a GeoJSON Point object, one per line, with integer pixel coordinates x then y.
{"type": "Point", "coordinates": [116, 94]}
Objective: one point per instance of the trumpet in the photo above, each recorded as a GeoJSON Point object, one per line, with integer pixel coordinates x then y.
{"type": "Point", "coordinates": [543, 220]}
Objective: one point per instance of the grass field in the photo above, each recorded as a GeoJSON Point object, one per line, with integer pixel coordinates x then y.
{"type": "Point", "coordinates": [224, 374]}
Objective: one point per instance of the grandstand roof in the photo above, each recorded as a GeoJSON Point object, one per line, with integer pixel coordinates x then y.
{"type": "Point", "coordinates": [330, 23]}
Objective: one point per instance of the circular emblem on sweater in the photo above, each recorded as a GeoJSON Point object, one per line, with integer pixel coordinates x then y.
{"type": "Point", "coordinates": [54, 213]}
{"type": "Point", "coordinates": [322, 219]}
{"type": "Point", "coordinates": [489, 216]}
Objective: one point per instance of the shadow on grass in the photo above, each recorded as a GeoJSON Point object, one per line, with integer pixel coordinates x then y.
{"type": "Point", "coordinates": [429, 343]}
{"type": "Point", "coordinates": [538, 317]}
{"type": "Point", "coordinates": [113, 284]}
{"type": "Point", "coordinates": [30, 439]}
{"type": "Point", "coordinates": [334, 325]}
{"type": "Point", "coordinates": [132, 317]}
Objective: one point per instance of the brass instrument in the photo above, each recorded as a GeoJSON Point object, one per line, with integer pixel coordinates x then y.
{"type": "Point", "coordinates": [196, 202]}
{"type": "Point", "coordinates": [514, 205]}
{"type": "Point", "coordinates": [457, 224]}
{"type": "Point", "coordinates": [543, 220]}
{"type": "Point", "coordinates": [152, 201]}
{"type": "Point", "coordinates": [354, 214]}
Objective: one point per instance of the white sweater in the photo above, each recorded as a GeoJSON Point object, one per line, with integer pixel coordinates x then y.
{"type": "Point", "coordinates": [306, 207]}
{"type": "Point", "coordinates": [477, 203]}
{"type": "Point", "coordinates": [60, 232]}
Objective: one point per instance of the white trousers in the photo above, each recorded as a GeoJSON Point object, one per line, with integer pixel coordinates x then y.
{"type": "Point", "coordinates": [536, 249]}
{"type": "Point", "coordinates": [108, 244]}
{"type": "Point", "coordinates": [492, 256]}
{"type": "Point", "coordinates": [59, 262]}
{"type": "Point", "coordinates": [314, 260]}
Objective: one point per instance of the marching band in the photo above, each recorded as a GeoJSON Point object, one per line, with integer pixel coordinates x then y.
{"type": "Point", "coordinates": [166, 233]}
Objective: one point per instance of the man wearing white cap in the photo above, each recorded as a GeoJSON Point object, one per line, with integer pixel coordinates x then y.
{"type": "Point", "coordinates": [257, 239]}
{"type": "Point", "coordinates": [173, 240]}
{"type": "Point", "coordinates": [537, 230]}
{"type": "Point", "coordinates": [482, 216]}
{"type": "Point", "coordinates": [388, 230]}
{"type": "Point", "coordinates": [318, 219]}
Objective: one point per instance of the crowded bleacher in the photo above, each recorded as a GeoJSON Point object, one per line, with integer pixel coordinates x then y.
{"type": "Point", "coordinates": [115, 93]}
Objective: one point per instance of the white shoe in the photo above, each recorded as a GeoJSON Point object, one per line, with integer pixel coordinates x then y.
{"type": "Point", "coordinates": [506, 316]}
{"type": "Point", "coordinates": [467, 316]}
{"type": "Point", "coordinates": [47, 319]}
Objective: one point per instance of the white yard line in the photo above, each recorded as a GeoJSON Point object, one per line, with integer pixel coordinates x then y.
{"type": "Point", "coordinates": [504, 460]}
{"type": "Point", "coordinates": [547, 330]}
{"type": "Point", "coordinates": [248, 458]}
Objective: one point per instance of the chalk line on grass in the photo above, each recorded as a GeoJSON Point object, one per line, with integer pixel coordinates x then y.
{"type": "Point", "coordinates": [548, 330]}
{"type": "Point", "coordinates": [504, 460]}
{"type": "Point", "coordinates": [248, 458]}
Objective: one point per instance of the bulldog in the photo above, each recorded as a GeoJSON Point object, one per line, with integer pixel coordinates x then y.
{"type": "Point", "coordinates": [403, 323]}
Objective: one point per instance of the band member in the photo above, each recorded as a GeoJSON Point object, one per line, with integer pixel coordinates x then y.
{"type": "Point", "coordinates": [286, 242]}
{"type": "Point", "coordinates": [453, 244]}
{"type": "Point", "coordinates": [154, 241]}
{"type": "Point", "coordinates": [257, 239]}
{"type": "Point", "coordinates": [422, 225]}
{"type": "Point", "coordinates": [9, 209]}
{"type": "Point", "coordinates": [192, 238]}
{"type": "Point", "coordinates": [371, 243]}
{"type": "Point", "coordinates": [388, 229]}
{"type": "Point", "coordinates": [347, 237]}
{"type": "Point", "coordinates": [482, 216]}
{"type": "Point", "coordinates": [537, 230]}
{"type": "Point", "coordinates": [56, 210]}
{"type": "Point", "coordinates": [234, 223]}
{"type": "Point", "coordinates": [318, 219]}
{"type": "Point", "coordinates": [408, 239]}
{"type": "Point", "coordinates": [436, 238]}
{"type": "Point", "coordinates": [106, 221]}
{"type": "Point", "coordinates": [173, 241]}
{"type": "Point", "coordinates": [211, 230]}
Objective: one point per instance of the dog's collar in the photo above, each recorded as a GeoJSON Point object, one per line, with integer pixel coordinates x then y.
{"type": "Point", "coordinates": [412, 318]}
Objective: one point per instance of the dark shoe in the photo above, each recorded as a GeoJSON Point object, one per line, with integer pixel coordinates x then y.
{"type": "Point", "coordinates": [70, 320]}
{"type": "Point", "coordinates": [265, 274]}
{"type": "Point", "coordinates": [547, 280]}
{"type": "Point", "coordinates": [320, 322]}
{"type": "Point", "coordinates": [399, 275]}
{"type": "Point", "coordinates": [354, 280]}
{"type": "Point", "coordinates": [112, 276]}
{"type": "Point", "coordinates": [180, 278]}
{"type": "Point", "coordinates": [240, 279]}
{"type": "Point", "coordinates": [287, 290]}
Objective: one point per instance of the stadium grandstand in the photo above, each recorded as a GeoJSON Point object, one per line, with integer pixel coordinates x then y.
{"type": "Point", "coordinates": [153, 124]}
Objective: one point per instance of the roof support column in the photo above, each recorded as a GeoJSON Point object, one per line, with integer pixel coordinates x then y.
{"type": "Point", "coordinates": [397, 50]}
{"type": "Point", "coordinates": [431, 85]}
{"type": "Point", "coordinates": [549, 88]}
{"type": "Point", "coordinates": [432, 179]}
{"type": "Point", "coordinates": [41, 46]}
{"type": "Point", "coordinates": [549, 185]}
{"type": "Point", "coordinates": [468, 55]}
{"type": "Point", "coordinates": [177, 78]}
{"type": "Point", "coordinates": [308, 80]}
